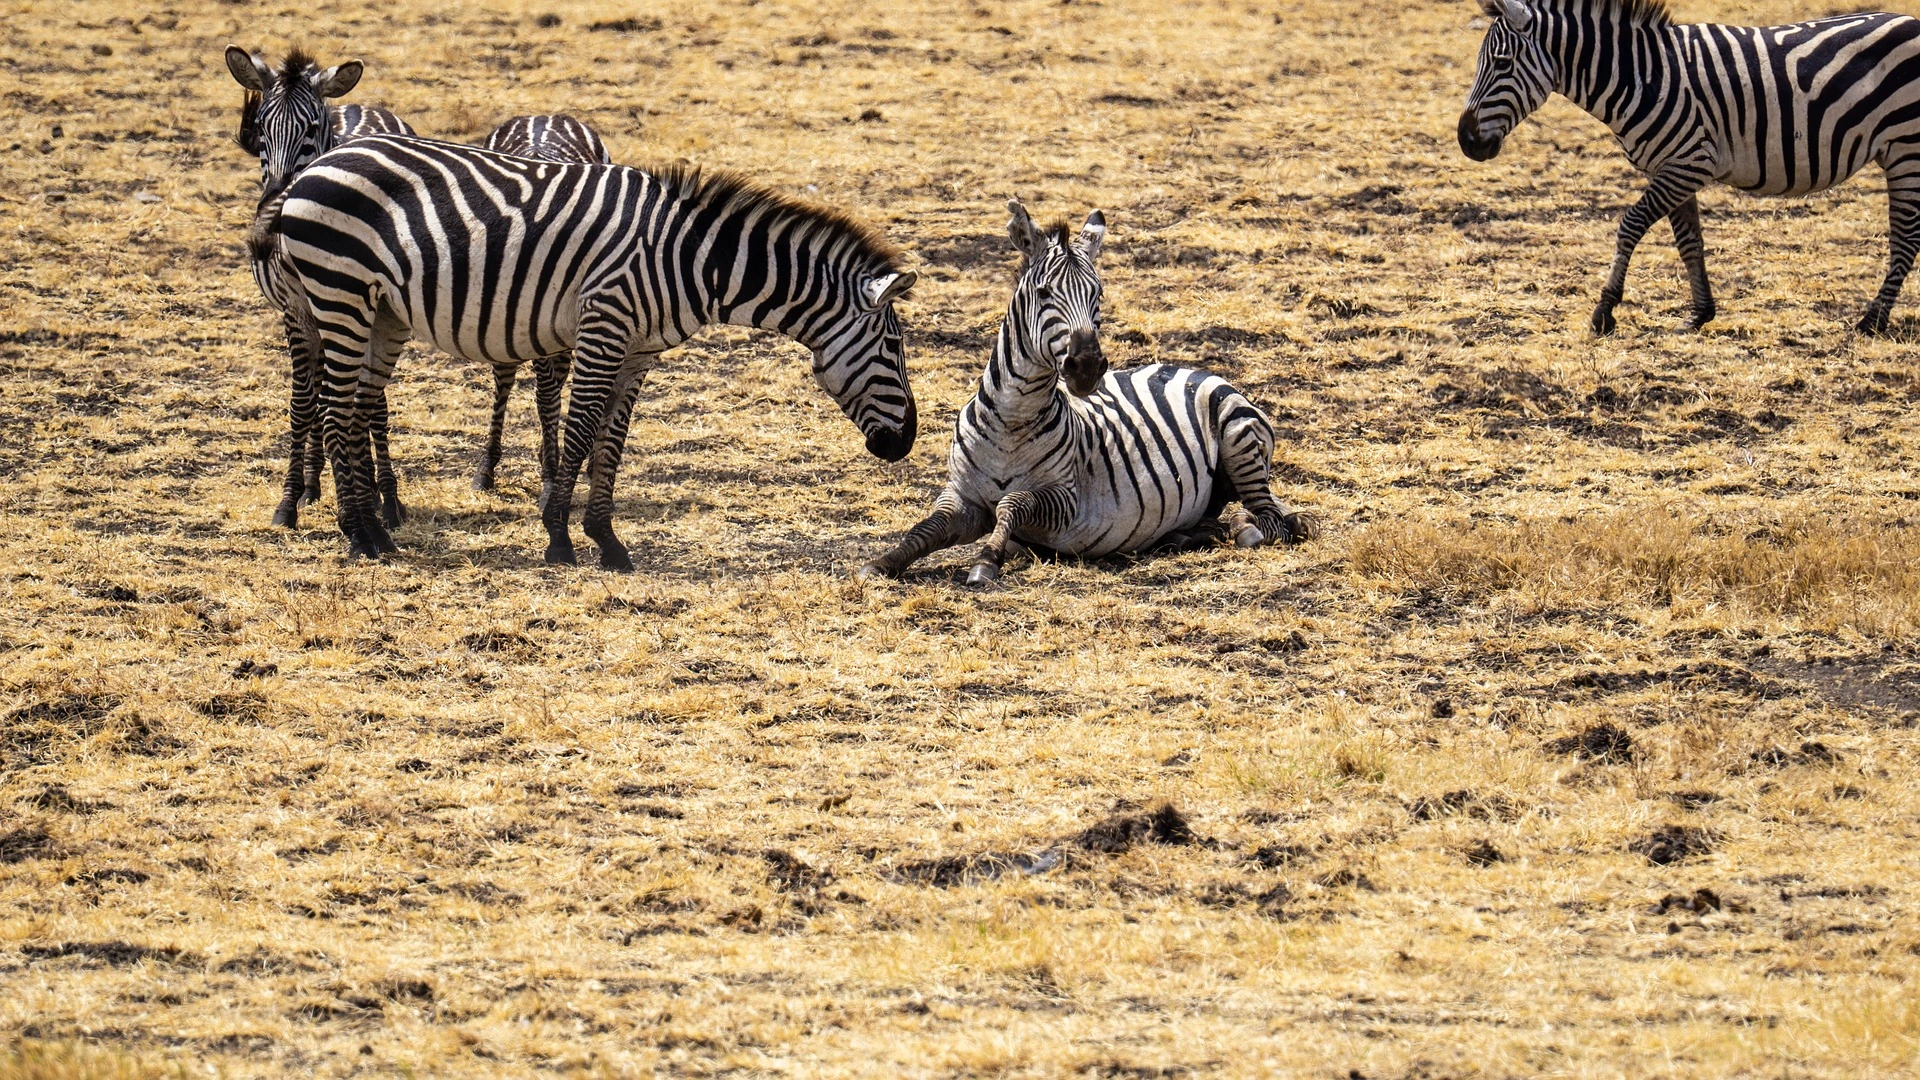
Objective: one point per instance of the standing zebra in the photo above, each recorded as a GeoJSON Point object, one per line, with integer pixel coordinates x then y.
{"type": "Point", "coordinates": [1128, 461]}
{"type": "Point", "coordinates": [1774, 110]}
{"type": "Point", "coordinates": [503, 259]}
{"type": "Point", "coordinates": [286, 121]}
{"type": "Point", "coordinates": [549, 137]}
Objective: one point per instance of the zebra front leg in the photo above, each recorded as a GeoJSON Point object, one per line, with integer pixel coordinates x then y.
{"type": "Point", "coordinates": [503, 377]}
{"type": "Point", "coordinates": [1903, 238]}
{"type": "Point", "coordinates": [550, 382]}
{"type": "Point", "coordinates": [393, 513]}
{"type": "Point", "coordinates": [598, 359]}
{"type": "Point", "coordinates": [1671, 185]}
{"type": "Point", "coordinates": [597, 519]}
{"type": "Point", "coordinates": [953, 521]}
{"type": "Point", "coordinates": [1018, 510]}
{"type": "Point", "coordinates": [1687, 236]}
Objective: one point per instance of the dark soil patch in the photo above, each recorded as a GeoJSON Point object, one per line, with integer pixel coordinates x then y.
{"type": "Point", "coordinates": [1810, 753]}
{"type": "Point", "coordinates": [1703, 675]}
{"type": "Point", "coordinates": [119, 875]}
{"type": "Point", "coordinates": [27, 842]}
{"type": "Point", "coordinates": [1483, 854]}
{"type": "Point", "coordinates": [1162, 825]}
{"type": "Point", "coordinates": [27, 733]}
{"type": "Point", "coordinates": [1485, 808]}
{"type": "Point", "coordinates": [112, 953]}
{"type": "Point", "coordinates": [967, 252]}
{"type": "Point", "coordinates": [954, 870]}
{"type": "Point", "coordinates": [1857, 681]}
{"type": "Point", "coordinates": [799, 879]}
{"type": "Point", "coordinates": [1602, 742]}
{"type": "Point", "coordinates": [58, 799]}
{"type": "Point", "coordinates": [247, 705]}
{"type": "Point", "coordinates": [1701, 902]}
{"type": "Point", "coordinates": [1273, 856]}
{"type": "Point", "coordinates": [1673, 843]}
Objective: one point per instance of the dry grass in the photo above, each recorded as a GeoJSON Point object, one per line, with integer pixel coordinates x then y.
{"type": "Point", "coordinates": [1583, 606]}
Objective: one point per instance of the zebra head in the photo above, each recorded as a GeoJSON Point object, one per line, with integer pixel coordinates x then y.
{"type": "Point", "coordinates": [1056, 303]}
{"type": "Point", "coordinates": [863, 366]}
{"type": "Point", "coordinates": [1514, 77]}
{"type": "Point", "coordinates": [285, 117]}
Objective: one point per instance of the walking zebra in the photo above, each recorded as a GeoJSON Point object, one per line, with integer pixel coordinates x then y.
{"type": "Point", "coordinates": [550, 137]}
{"type": "Point", "coordinates": [1774, 110]}
{"type": "Point", "coordinates": [286, 121]}
{"type": "Point", "coordinates": [1128, 461]}
{"type": "Point", "coordinates": [504, 259]}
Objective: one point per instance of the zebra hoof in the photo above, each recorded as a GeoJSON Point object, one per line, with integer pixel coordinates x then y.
{"type": "Point", "coordinates": [382, 542]}
{"type": "Point", "coordinates": [614, 557]}
{"type": "Point", "coordinates": [1603, 322]}
{"type": "Point", "coordinates": [1300, 528]}
{"type": "Point", "coordinates": [287, 514]}
{"type": "Point", "coordinates": [1249, 537]}
{"type": "Point", "coordinates": [984, 576]}
{"type": "Point", "coordinates": [483, 478]}
{"type": "Point", "coordinates": [562, 555]}
{"type": "Point", "coordinates": [1699, 319]}
{"type": "Point", "coordinates": [393, 513]}
{"type": "Point", "coordinates": [871, 572]}
{"type": "Point", "coordinates": [1873, 323]}
{"type": "Point", "coordinates": [363, 546]}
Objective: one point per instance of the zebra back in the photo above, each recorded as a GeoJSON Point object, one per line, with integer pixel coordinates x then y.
{"type": "Point", "coordinates": [359, 121]}
{"type": "Point", "coordinates": [550, 137]}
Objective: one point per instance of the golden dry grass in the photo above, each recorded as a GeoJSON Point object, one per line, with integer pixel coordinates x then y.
{"type": "Point", "coordinates": [1580, 604]}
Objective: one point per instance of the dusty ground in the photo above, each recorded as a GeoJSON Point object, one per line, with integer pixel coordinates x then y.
{"type": "Point", "coordinates": [1582, 744]}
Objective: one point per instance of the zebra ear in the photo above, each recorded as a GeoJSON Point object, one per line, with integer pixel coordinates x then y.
{"type": "Point", "coordinates": [887, 288]}
{"type": "Point", "coordinates": [1022, 232]}
{"type": "Point", "coordinates": [337, 80]}
{"type": "Point", "coordinates": [1516, 13]}
{"type": "Point", "coordinates": [247, 70]}
{"type": "Point", "coordinates": [1092, 235]}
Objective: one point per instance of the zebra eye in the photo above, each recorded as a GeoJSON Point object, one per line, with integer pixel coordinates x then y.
{"type": "Point", "coordinates": [1044, 292]}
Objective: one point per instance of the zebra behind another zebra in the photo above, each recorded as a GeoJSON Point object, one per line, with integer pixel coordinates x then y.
{"type": "Point", "coordinates": [548, 137]}
{"type": "Point", "coordinates": [1137, 459]}
{"type": "Point", "coordinates": [1774, 110]}
{"type": "Point", "coordinates": [507, 259]}
{"type": "Point", "coordinates": [286, 121]}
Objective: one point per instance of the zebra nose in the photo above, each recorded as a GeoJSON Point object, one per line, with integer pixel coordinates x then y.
{"type": "Point", "coordinates": [1472, 143]}
{"type": "Point", "coordinates": [894, 445]}
{"type": "Point", "coordinates": [1086, 364]}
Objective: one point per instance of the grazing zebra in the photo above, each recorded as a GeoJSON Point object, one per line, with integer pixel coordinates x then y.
{"type": "Point", "coordinates": [549, 137]}
{"type": "Point", "coordinates": [1127, 461]}
{"type": "Point", "coordinates": [286, 121]}
{"type": "Point", "coordinates": [1773, 110]}
{"type": "Point", "coordinates": [504, 259]}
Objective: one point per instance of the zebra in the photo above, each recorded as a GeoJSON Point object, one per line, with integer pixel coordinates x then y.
{"type": "Point", "coordinates": [285, 120]}
{"type": "Point", "coordinates": [550, 137]}
{"type": "Point", "coordinates": [1140, 459]}
{"type": "Point", "coordinates": [1775, 110]}
{"type": "Point", "coordinates": [504, 259]}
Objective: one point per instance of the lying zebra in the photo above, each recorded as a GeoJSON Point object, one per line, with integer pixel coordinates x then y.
{"type": "Point", "coordinates": [286, 121]}
{"type": "Point", "coordinates": [1134, 460]}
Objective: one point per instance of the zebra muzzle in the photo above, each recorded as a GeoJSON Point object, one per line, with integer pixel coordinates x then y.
{"type": "Point", "coordinates": [894, 445]}
{"type": "Point", "coordinates": [1086, 364]}
{"type": "Point", "coordinates": [1473, 144]}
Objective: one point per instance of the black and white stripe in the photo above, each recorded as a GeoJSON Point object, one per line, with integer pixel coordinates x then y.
{"type": "Point", "coordinates": [1773, 110]}
{"type": "Point", "coordinates": [1128, 461]}
{"type": "Point", "coordinates": [285, 120]}
{"type": "Point", "coordinates": [503, 259]}
{"type": "Point", "coordinates": [548, 137]}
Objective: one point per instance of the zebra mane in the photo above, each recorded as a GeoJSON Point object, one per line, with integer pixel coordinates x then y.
{"type": "Point", "coordinates": [249, 134]}
{"type": "Point", "coordinates": [297, 64]}
{"type": "Point", "coordinates": [730, 190]}
{"type": "Point", "coordinates": [1643, 12]}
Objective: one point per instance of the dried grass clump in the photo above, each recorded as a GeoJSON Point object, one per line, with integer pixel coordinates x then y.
{"type": "Point", "coordinates": [1849, 575]}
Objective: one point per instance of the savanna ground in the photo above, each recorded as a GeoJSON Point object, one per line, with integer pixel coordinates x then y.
{"type": "Point", "coordinates": [1582, 744]}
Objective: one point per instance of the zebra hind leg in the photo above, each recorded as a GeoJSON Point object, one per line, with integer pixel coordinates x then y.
{"type": "Point", "coordinates": [550, 382]}
{"type": "Point", "coordinates": [393, 513]}
{"type": "Point", "coordinates": [1687, 236]}
{"type": "Point", "coordinates": [1903, 239]}
{"type": "Point", "coordinates": [503, 378]}
{"type": "Point", "coordinates": [1246, 458]}
{"type": "Point", "coordinates": [596, 520]}
{"type": "Point", "coordinates": [303, 469]}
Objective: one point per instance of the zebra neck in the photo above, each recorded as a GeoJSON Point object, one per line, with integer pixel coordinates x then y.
{"type": "Point", "coordinates": [1019, 389]}
{"type": "Point", "coordinates": [764, 269]}
{"type": "Point", "coordinates": [1614, 66]}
